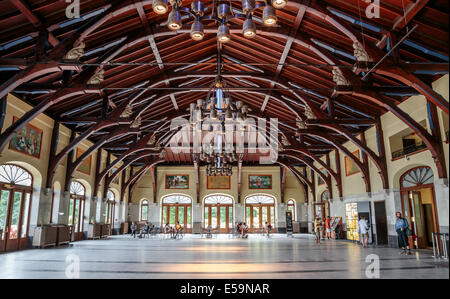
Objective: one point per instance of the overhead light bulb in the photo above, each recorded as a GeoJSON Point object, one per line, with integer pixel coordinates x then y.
{"type": "Point", "coordinates": [197, 30]}
{"type": "Point", "coordinates": [174, 21]}
{"type": "Point", "coordinates": [248, 6]}
{"type": "Point", "coordinates": [279, 4]}
{"type": "Point", "coordinates": [223, 33]}
{"type": "Point", "coordinates": [159, 6]}
{"type": "Point", "coordinates": [249, 28]}
{"type": "Point", "coordinates": [269, 15]}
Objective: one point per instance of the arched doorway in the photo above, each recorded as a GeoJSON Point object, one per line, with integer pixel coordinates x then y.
{"type": "Point", "coordinates": [259, 209]}
{"type": "Point", "coordinates": [419, 205]}
{"type": "Point", "coordinates": [15, 203]}
{"type": "Point", "coordinates": [291, 208]}
{"type": "Point", "coordinates": [218, 212]}
{"type": "Point", "coordinates": [110, 209]}
{"type": "Point", "coordinates": [76, 210]}
{"type": "Point", "coordinates": [177, 208]}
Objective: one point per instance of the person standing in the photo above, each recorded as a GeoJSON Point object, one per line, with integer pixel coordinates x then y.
{"type": "Point", "coordinates": [402, 227]}
{"type": "Point", "coordinates": [133, 228]}
{"type": "Point", "coordinates": [317, 229]}
{"type": "Point", "coordinates": [363, 230]}
{"type": "Point", "coordinates": [328, 227]}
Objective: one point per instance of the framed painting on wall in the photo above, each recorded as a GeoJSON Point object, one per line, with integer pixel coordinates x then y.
{"type": "Point", "coordinates": [177, 181]}
{"type": "Point", "coordinates": [218, 182]}
{"type": "Point", "coordinates": [350, 166]}
{"type": "Point", "coordinates": [259, 181]}
{"type": "Point", "coordinates": [85, 166]}
{"type": "Point", "coordinates": [27, 141]}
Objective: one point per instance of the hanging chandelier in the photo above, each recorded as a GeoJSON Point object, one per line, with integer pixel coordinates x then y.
{"type": "Point", "coordinates": [213, 115]}
{"type": "Point", "coordinates": [222, 15]}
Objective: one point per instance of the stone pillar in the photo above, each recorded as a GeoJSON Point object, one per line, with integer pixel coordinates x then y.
{"type": "Point", "coordinates": [45, 202]}
{"type": "Point", "coordinates": [155, 214]}
{"type": "Point", "coordinates": [281, 219]}
{"type": "Point", "coordinates": [196, 216]}
{"type": "Point", "coordinates": [302, 216]}
{"type": "Point", "coordinates": [239, 213]}
{"type": "Point", "coordinates": [310, 209]}
{"type": "Point", "coordinates": [133, 212]}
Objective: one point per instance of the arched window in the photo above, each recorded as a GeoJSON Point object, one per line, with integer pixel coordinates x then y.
{"type": "Point", "coordinates": [417, 177]}
{"type": "Point", "coordinates": [15, 204]}
{"type": "Point", "coordinates": [177, 208]}
{"type": "Point", "coordinates": [259, 209]}
{"type": "Point", "coordinates": [144, 210]}
{"type": "Point", "coordinates": [291, 207]}
{"type": "Point", "coordinates": [325, 196]}
{"type": "Point", "coordinates": [76, 209]}
{"type": "Point", "coordinates": [218, 212]}
{"type": "Point", "coordinates": [77, 189]}
{"type": "Point", "coordinates": [14, 175]}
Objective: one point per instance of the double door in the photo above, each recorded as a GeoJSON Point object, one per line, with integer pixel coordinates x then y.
{"type": "Point", "coordinates": [173, 213]}
{"type": "Point", "coordinates": [257, 215]}
{"type": "Point", "coordinates": [15, 206]}
{"type": "Point", "coordinates": [110, 215]}
{"type": "Point", "coordinates": [219, 216]}
{"type": "Point", "coordinates": [76, 217]}
{"type": "Point", "coordinates": [419, 210]}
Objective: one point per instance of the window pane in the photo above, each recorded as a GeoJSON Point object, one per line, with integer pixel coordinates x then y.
{"type": "Point", "coordinates": [181, 216]}
{"type": "Point", "coordinates": [82, 216]}
{"type": "Point", "coordinates": [214, 216]}
{"type": "Point", "coordinates": [3, 211]}
{"type": "Point", "coordinates": [223, 217]}
{"type": "Point", "coordinates": [71, 212]}
{"type": "Point", "coordinates": [247, 215]}
{"type": "Point", "coordinates": [77, 214]}
{"type": "Point", "coordinates": [206, 216]}
{"type": "Point", "coordinates": [172, 215]}
{"type": "Point", "coordinates": [188, 217]}
{"type": "Point", "coordinates": [264, 215]}
{"type": "Point", "coordinates": [164, 215]}
{"type": "Point", "coordinates": [256, 217]}
{"type": "Point", "coordinates": [15, 216]}
{"type": "Point", "coordinates": [230, 217]}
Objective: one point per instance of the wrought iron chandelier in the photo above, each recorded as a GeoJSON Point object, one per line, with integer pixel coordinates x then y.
{"type": "Point", "coordinates": [218, 110]}
{"type": "Point", "coordinates": [223, 15]}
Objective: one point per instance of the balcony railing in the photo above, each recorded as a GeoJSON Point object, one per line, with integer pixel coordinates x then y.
{"type": "Point", "coordinates": [408, 150]}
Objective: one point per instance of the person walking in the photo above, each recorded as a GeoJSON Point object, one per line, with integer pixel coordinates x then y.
{"type": "Point", "coordinates": [363, 231]}
{"type": "Point", "coordinates": [402, 229]}
{"type": "Point", "coordinates": [317, 229]}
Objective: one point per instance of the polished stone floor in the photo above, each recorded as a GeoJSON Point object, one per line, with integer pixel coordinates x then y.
{"type": "Point", "coordinates": [221, 257]}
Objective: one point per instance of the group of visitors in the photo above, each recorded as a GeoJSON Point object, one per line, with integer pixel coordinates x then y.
{"type": "Point", "coordinates": [242, 229]}
{"type": "Point", "coordinates": [144, 231]}
{"type": "Point", "coordinates": [319, 228]}
{"type": "Point", "coordinates": [173, 231]}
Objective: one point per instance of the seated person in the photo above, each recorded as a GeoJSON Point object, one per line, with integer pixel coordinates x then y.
{"type": "Point", "coordinates": [168, 229]}
{"type": "Point", "coordinates": [244, 230]}
{"type": "Point", "coordinates": [178, 229]}
{"type": "Point", "coordinates": [267, 228]}
{"type": "Point", "coordinates": [145, 230]}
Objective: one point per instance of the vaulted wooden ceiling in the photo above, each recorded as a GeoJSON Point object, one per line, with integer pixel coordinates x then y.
{"type": "Point", "coordinates": [166, 71]}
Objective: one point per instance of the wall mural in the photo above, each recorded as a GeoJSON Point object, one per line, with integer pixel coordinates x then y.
{"type": "Point", "coordinates": [28, 141]}
{"type": "Point", "coordinates": [260, 182]}
{"type": "Point", "coordinates": [177, 181]}
{"type": "Point", "coordinates": [85, 166]}
{"type": "Point", "coordinates": [350, 166]}
{"type": "Point", "coordinates": [218, 182]}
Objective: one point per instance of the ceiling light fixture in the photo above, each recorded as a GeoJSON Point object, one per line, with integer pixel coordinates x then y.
{"type": "Point", "coordinates": [221, 14]}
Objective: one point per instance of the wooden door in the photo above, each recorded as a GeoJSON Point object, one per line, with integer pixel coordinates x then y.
{"type": "Point", "coordinates": [14, 218]}
{"type": "Point", "coordinates": [381, 222]}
